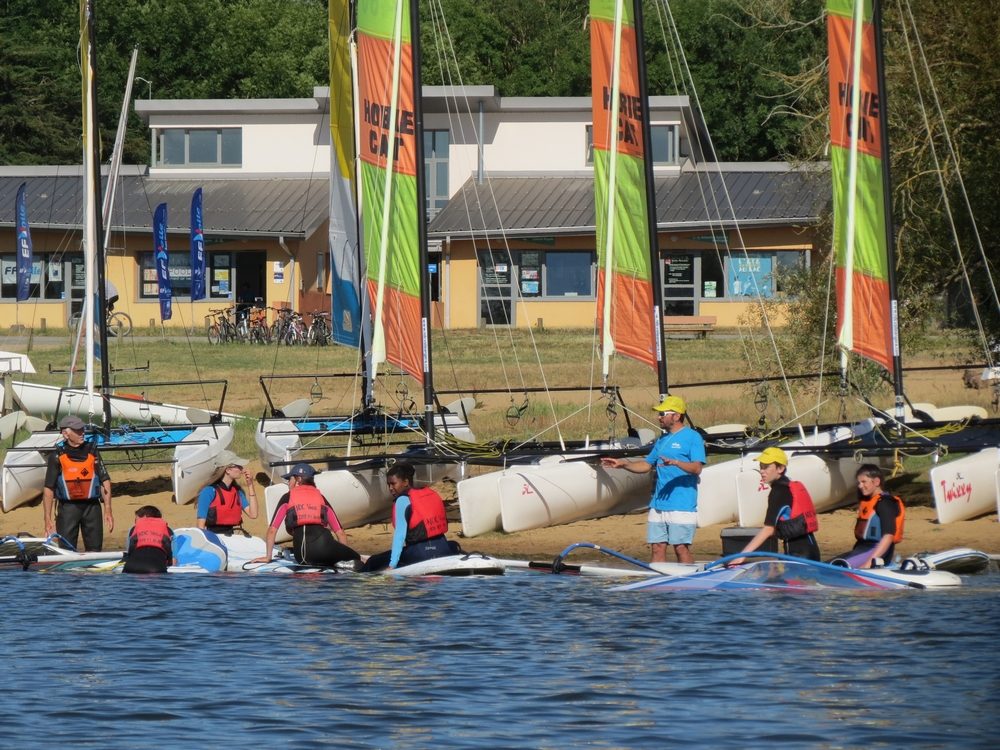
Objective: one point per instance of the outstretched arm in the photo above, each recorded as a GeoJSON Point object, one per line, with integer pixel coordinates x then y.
{"type": "Point", "coordinates": [637, 466]}
{"type": "Point", "coordinates": [765, 533]}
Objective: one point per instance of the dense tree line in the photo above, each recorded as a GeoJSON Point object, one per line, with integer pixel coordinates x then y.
{"type": "Point", "coordinates": [278, 48]}
{"type": "Point", "coordinates": [755, 67]}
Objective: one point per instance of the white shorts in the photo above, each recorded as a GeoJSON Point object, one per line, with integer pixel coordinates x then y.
{"type": "Point", "coordinates": [671, 526]}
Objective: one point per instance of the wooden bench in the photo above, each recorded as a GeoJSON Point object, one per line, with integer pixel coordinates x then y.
{"type": "Point", "coordinates": [692, 326]}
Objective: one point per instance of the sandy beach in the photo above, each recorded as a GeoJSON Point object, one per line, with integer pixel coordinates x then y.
{"type": "Point", "coordinates": [623, 533]}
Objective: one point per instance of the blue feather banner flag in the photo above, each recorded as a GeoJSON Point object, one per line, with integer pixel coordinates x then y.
{"type": "Point", "coordinates": [23, 246]}
{"type": "Point", "coordinates": [162, 262]}
{"type": "Point", "coordinates": [197, 248]}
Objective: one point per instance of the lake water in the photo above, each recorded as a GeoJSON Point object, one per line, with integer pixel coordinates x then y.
{"type": "Point", "coordinates": [525, 661]}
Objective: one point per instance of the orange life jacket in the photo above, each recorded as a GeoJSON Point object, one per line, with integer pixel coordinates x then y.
{"type": "Point", "coordinates": [428, 518]}
{"type": "Point", "coordinates": [305, 507]}
{"type": "Point", "coordinates": [78, 479]}
{"type": "Point", "coordinates": [868, 526]}
{"type": "Point", "coordinates": [225, 508]}
{"type": "Point", "coordinates": [150, 532]}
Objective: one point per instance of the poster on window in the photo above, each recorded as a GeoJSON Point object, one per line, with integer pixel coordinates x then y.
{"type": "Point", "coordinates": [751, 277]}
{"type": "Point", "coordinates": [55, 270]}
{"type": "Point", "coordinates": [679, 270]}
{"type": "Point", "coordinates": [36, 271]}
{"type": "Point", "coordinates": [9, 270]}
{"type": "Point", "coordinates": [529, 288]}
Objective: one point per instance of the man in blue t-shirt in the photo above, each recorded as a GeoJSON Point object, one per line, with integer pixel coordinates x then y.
{"type": "Point", "coordinates": [678, 457]}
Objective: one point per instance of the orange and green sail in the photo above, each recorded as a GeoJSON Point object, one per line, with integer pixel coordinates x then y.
{"type": "Point", "coordinates": [626, 313]}
{"type": "Point", "coordinates": [865, 322]}
{"type": "Point", "coordinates": [387, 145]}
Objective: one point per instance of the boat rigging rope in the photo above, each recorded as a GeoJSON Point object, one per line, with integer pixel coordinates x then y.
{"type": "Point", "coordinates": [672, 40]}
{"type": "Point", "coordinates": [908, 24]}
{"type": "Point", "coordinates": [448, 65]}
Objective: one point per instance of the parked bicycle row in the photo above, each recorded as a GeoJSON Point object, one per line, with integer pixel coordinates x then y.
{"type": "Point", "coordinates": [250, 325]}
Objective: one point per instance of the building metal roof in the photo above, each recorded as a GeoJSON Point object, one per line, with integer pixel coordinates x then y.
{"type": "Point", "coordinates": [254, 206]}
{"type": "Point", "coordinates": [718, 195]}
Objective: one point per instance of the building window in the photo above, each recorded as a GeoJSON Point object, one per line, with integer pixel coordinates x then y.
{"type": "Point", "coordinates": [751, 274]}
{"type": "Point", "coordinates": [321, 272]}
{"type": "Point", "coordinates": [556, 274]}
{"type": "Point", "coordinates": [207, 147]}
{"type": "Point", "coordinates": [219, 282]}
{"type": "Point", "coordinates": [662, 137]}
{"type": "Point", "coordinates": [47, 274]}
{"type": "Point", "coordinates": [436, 144]}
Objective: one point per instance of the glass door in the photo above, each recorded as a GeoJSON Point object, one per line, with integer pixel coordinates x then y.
{"type": "Point", "coordinates": [76, 286]}
{"type": "Point", "coordinates": [681, 282]}
{"type": "Point", "coordinates": [495, 292]}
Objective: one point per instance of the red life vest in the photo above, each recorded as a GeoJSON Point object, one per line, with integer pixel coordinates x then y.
{"type": "Point", "coordinates": [869, 527]}
{"type": "Point", "coordinates": [802, 505]}
{"type": "Point", "coordinates": [150, 532]}
{"type": "Point", "coordinates": [799, 520]}
{"type": "Point", "coordinates": [78, 479]}
{"type": "Point", "coordinates": [427, 515]}
{"type": "Point", "coordinates": [225, 508]}
{"type": "Point", "coordinates": [305, 507]}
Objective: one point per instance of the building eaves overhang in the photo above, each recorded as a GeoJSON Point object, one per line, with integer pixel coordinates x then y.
{"type": "Point", "coordinates": [686, 200]}
{"type": "Point", "coordinates": [238, 207]}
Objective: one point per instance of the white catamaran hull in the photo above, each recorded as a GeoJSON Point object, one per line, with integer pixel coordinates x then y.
{"type": "Point", "coordinates": [830, 481]}
{"type": "Point", "coordinates": [23, 473]}
{"type": "Point", "coordinates": [717, 490]}
{"type": "Point", "coordinates": [42, 400]}
{"type": "Point", "coordinates": [196, 460]}
{"type": "Point", "coordinates": [967, 487]}
{"type": "Point", "coordinates": [553, 494]}
{"type": "Point", "coordinates": [554, 490]}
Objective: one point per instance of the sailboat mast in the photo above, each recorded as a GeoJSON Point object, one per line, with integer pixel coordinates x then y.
{"type": "Point", "coordinates": [890, 232]}
{"type": "Point", "coordinates": [93, 221]}
{"type": "Point", "coordinates": [651, 223]}
{"type": "Point", "coordinates": [425, 292]}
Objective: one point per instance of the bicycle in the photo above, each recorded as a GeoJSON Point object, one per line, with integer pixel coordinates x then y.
{"type": "Point", "coordinates": [318, 333]}
{"type": "Point", "coordinates": [220, 325]}
{"type": "Point", "coordinates": [288, 327]}
{"type": "Point", "coordinates": [258, 330]}
{"type": "Point", "coordinates": [118, 323]}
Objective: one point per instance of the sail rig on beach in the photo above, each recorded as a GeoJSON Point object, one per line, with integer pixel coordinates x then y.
{"type": "Point", "coordinates": [868, 321]}
{"type": "Point", "coordinates": [560, 487]}
{"type": "Point", "coordinates": [195, 437]}
{"type": "Point", "coordinates": [868, 318]}
{"type": "Point", "coordinates": [378, 243]}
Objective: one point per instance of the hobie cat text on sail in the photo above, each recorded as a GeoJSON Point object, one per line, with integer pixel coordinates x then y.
{"type": "Point", "coordinates": [378, 116]}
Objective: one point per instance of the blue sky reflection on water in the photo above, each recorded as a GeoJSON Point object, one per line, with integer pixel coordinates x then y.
{"type": "Point", "coordinates": [522, 662]}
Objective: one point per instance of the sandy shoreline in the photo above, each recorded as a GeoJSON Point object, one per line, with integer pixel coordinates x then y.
{"type": "Point", "coordinates": [623, 533]}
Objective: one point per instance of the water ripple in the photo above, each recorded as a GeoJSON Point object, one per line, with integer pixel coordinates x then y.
{"type": "Point", "coordinates": [522, 662]}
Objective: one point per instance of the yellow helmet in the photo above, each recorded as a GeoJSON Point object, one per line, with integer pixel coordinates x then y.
{"type": "Point", "coordinates": [671, 403]}
{"type": "Point", "coordinates": [773, 456]}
